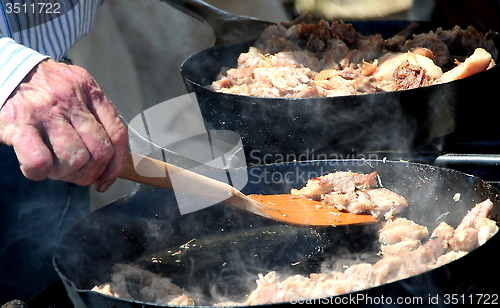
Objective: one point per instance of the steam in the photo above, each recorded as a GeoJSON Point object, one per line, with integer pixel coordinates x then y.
{"type": "Point", "coordinates": [216, 253]}
{"type": "Point", "coordinates": [224, 267]}
{"type": "Point", "coordinates": [275, 130]}
{"type": "Point", "coordinates": [37, 215]}
{"type": "Point", "coordinates": [214, 154]}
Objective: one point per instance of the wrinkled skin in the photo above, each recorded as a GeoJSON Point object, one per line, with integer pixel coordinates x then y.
{"type": "Point", "coordinates": [63, 127]}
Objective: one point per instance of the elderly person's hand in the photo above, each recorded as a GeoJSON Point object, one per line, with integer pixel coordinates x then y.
{"type": "Point", "coordinates": [63, 127]}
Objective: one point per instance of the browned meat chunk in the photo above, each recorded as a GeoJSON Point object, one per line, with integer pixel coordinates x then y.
{"type": "Point", "coordinates": [463, 42]}
{"type": "Point", "coordinates": [401, 229]}
{"type": "Point", "coordinates": [341, 182]}
{"type": "Point", "coordinates": [370, 47]}
{"type": "Point", "coordinates": [354, 193]}
{"type": "Point", "coordinates": [390, 62]}
{"type": "Point", "coordinates": [439, 241]}
{"type": "Point", "coordinates": [356, 202]}
{"type": "Point", "coordinates": [449, 257]}
{"type": "Point", "coordinates": [408, 76]}
{"type": "Point", "coordinates": [400, 248]}
{"type": "Point", "coordinates": [393, 268]}
{"type": "Point", "coordinates": [430, 41]}
{"type": "Point", "coordinates": [482, 209]}
{"type": "Point", "coordinates": [388, 203]}
{"type": "Point", "coordinates": [464, 240]}
{"type": "Point", "coordinates": [345, 32]}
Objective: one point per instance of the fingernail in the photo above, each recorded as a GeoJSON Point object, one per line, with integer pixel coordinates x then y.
{"type": "Point", "coordinates": [105, 186]}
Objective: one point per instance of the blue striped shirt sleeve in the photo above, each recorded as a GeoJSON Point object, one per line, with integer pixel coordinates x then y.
{"type": "Point", "coordinates": [16, 61]}
{"type": "Point", "coordinates": [41, 35]}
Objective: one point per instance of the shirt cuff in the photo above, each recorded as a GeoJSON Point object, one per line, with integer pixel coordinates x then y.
{"type": "Point", "coordinates": [16, 61]}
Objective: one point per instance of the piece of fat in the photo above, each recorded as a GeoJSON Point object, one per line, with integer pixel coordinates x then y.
{"type": "Point", "coordinates": [486, 229]}
{"type": "Point", "coordinates": [389, 62]}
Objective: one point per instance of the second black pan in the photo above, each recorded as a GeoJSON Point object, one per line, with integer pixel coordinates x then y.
{"type": "Point", "coordinates": [306, 128]}
{"type": "Point", "coordinates": [229, 248]}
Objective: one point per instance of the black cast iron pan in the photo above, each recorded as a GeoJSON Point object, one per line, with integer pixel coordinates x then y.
{"type": "Point", "coordinates": [228, 248]}
{"type": "Point", "coordinates": [390, 121]}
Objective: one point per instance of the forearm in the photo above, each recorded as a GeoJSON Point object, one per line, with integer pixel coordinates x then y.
{"type": "Point", "coordinates": [16, 61]}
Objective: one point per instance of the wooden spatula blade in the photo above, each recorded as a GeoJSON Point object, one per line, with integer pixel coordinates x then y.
{"type": "Point", "coordinates": [302, 211]}
{"type": "Point", "coordinates": [284, 208]}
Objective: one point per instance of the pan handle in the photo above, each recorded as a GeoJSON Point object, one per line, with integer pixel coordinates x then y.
{"type": "Point", "coordinates": [468, 160]}
{"type": "Point", "coordinates": [228, 28]}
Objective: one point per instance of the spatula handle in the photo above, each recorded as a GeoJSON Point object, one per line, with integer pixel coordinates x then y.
{"type": "Point", "coordinates": [153, 172]}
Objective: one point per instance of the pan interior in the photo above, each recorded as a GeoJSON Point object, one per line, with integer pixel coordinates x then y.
{"type": "Point", "coordinates": [217, 252]}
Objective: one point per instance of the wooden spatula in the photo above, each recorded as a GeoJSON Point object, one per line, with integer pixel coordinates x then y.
{"type": "Point", "coordinates": [284, 207]}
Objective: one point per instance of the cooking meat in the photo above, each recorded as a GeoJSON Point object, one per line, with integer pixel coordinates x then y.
{"type": "Point", "coordinates": [134, 283]}
{"type": "Point", "coordinates": [400, 236]}
{"type": "Point", "coordinates": [344, 182]}
{"type": "Point", "coordinates": [391, 61]}
{"type": "Point", "coordinates": [464, 240]}
{"type": "Point", "coordinates": [354, 193]}
{"type": "Point", "coordinates": [407, 250]}
{"type": "Point", "coordinates": [479, 61]}
{"type": "Point", "coordinates": [486, 229]}
{"type": "Point", "coordinates": [449, 257]}
{"type": "Point", "coordinates": [481, 210]}
{"type": "Point", "coordinates": [439, 52]}
{"type": "Point", "coordinates": [395, 267]}
{"type": "Point", "coordinates": [270, 289]}
{"type": "Point", "coordinates": [440, 238]}
{"type": "Point", "coordinates": [401, 229]}
{"type": "Point", "coordinates": [387, 203]}
{"type": "Point", "coordinates": [357, 202]}
{"type": "Point", "coordinates": [400, 248]}
{"type": "Point", "coordinates": [462, 42]}
{"type": "Point", "coordinates": [466, 235]}
{"type": "Point", "coordinates": [301, 59]}
{"type": "Point", "coordinates": [408, 76]}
